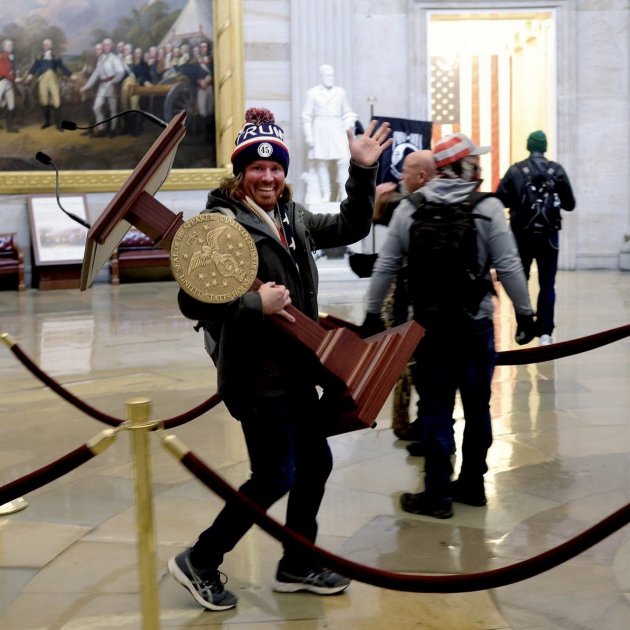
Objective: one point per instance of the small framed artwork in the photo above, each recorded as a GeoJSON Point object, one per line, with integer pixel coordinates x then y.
{"type": "Point", "coordinates": [56, 238]}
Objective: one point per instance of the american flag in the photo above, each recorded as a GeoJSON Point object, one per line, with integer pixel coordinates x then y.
{"type": "Point", "coordinates": [466, 97]}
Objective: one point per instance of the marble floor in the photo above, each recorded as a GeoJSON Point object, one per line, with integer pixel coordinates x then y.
{"type": "Point", "coordinates": [560, 463]}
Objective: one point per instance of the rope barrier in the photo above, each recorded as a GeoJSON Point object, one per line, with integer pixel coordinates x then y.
{"type": "Point", "coordinates": [58, 468]}
{"type": "Point", "coordinates": [522, 356]}
{"type": "Point", "coordinates": [458, 583]}
{"type": "Point", "coordinates": [377, 577]}
{"type": "Point", "coordinates": [112, 421]}
{"type": "Point", "coordinates": [562, 349]}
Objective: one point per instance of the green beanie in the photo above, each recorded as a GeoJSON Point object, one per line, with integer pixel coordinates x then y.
{"type": "Point", "coordinates": [537, 141]}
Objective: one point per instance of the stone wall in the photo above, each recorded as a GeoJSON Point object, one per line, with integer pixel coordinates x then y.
{"type": "Point", "coordinates": [377, 48]}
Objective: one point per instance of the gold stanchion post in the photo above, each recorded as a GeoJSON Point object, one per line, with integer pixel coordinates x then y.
{"type": "Point", "coordinates": [138, 411]}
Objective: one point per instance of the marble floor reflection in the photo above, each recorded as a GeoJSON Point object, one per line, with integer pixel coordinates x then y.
{"type": "Point", "coordinates": [560, 463]}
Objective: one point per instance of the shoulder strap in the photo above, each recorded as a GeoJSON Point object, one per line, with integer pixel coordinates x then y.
{"type": "Point", "coordinates": [416, 199]}
{"type": "Point", "coordinates": [531, 168]}
{"type": "Point", "coordinates": [476, 197]}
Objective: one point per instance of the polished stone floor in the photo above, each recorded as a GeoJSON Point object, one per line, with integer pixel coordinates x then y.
{"type": "Point", "coordinates": [560, 463]}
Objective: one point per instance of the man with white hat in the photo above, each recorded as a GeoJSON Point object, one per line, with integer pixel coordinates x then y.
{"type": "Point", "coordinates": [457, 352]}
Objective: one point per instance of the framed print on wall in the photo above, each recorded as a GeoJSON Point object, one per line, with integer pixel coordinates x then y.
{"type": "Point", "coordinates": [178, 54]}
{"type": "Point", "coordinates": [56, 238]}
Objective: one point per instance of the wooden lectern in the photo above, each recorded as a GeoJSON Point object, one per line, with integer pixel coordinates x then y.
{"type": "Point", "coordinates": [357, 375]}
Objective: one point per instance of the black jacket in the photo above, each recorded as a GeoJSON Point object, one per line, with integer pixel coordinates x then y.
{"type": "Point", "coordinates": [510, 189]}
{"type": "Point", "coordinates": [254, 358]}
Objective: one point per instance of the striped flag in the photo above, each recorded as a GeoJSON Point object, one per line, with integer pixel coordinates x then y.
{"type": "Point", "coordinates": [471, 94]}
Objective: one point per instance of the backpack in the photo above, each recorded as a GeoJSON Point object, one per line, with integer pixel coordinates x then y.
{"type": "Point", "coordinates": [446, 283]}
{"type": "Point", "coordinates": [539, 211]}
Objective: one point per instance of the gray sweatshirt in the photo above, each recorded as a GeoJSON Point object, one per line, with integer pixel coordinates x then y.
{"type": "Point", "coordinates": [496, 246]}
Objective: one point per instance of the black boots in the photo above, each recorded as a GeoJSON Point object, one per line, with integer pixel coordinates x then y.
{"type": "Point", "coordinates": [57, 116]}
{"type": "Point", "coordinates": [46, 112]}
{"type": "Point", "coordinates": [11, 128]}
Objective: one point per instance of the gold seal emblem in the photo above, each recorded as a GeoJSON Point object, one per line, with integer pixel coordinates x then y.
{"type": "Point", "coordinates": [213, 258]}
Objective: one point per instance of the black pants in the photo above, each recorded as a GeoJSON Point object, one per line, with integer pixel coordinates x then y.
{"type": "Point", "coordinates": [288, 452]}
{"type": "Point", "coordinates": [543, 249]}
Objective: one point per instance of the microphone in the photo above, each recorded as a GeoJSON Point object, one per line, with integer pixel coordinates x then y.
{"type": "Point", "coordinates": [47, 160]}
{"type": "Point", "coordinates": [71, 126]}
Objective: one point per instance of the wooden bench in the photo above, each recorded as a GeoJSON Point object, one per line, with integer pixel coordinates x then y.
{"type": "Point", "coordinates": [138, 259]}
{"type": "Point", "coordinates": [12, 260]}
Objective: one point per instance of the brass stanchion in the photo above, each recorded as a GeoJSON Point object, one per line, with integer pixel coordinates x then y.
{"type": "Point", "coordinates": [138, 411]}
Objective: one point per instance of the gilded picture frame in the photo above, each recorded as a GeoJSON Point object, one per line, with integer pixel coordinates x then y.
{"type": "Point", "coordinates": [228, 114]}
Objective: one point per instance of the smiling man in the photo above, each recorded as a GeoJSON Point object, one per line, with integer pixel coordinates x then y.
{"type": "Point", "coordinates": [262, 376]}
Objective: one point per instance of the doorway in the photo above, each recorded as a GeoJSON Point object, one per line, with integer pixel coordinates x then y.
{"type": "Point", "coordinates": [492, 75]}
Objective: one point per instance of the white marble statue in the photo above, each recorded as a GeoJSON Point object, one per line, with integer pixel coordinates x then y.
{"type": "Point", "coordinates": [325, 118]}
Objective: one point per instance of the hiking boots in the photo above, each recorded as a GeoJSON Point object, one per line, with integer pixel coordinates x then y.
{"type": "Point", "coordinates": [205, 586]}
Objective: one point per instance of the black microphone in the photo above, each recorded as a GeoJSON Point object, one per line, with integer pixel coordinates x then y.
{"type": "Point", "coordinates": [68, 124]}
{"type": "Point", "coordinates": [47, 160]}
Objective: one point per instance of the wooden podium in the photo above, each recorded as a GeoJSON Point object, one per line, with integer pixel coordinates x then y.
{"type": "Point", "coordinates": [357, 375]}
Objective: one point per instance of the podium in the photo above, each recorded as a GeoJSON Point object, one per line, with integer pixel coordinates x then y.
{"type": "Point", "coordinates": [357, 375]}
{"type": "Point", "coordinates": [135, 205]}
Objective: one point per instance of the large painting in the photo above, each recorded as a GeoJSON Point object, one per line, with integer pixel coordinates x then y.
{"type": "Point", "coordinates": [84, 61]}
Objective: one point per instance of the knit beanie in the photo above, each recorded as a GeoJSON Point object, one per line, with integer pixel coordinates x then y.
{"type": "Point", "coordinates": [537, 142]}
{"type": "Point", "coordinates": [259, 139]}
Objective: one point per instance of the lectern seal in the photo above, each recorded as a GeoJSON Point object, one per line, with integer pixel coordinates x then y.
{"type": "Point", "coordinates": [213, 258]}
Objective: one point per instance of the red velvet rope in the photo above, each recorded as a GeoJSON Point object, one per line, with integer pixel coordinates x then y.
{"type": "Point", "coordinates": [458, 583]}
{"type": "Point", "coordinates": [112, 421]}
{"type": "Point", "coordinates": [377, 577]}
{"type": "Point", "coordinates": [525, 356]}
{"type": "Point", "coordinates": [509, 357]}
{"type": "Point", "coordinates": [46, 474]}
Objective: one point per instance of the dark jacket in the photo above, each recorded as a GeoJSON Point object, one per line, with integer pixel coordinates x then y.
{"type": "Point", "coordinates": [254, 358]}
{"type": "Point", "coordinates": [510, 189]}
{"type": "Point", "coordinates": [41, 65]}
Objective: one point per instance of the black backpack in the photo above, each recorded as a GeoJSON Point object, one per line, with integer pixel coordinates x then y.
{"type": "Point", "coordinates": [446, 282]}
{"type": "Point", "coordinates": [540, 205]}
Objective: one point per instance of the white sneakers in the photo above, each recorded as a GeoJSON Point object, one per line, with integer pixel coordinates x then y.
{"type": "Point", "coordinates": [545, 340]}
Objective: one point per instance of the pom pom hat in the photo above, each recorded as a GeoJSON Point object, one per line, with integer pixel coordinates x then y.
{"type": "Point", "coordinates": [455, 147]}
{"type": "Point", "coordinates": [259, 139]}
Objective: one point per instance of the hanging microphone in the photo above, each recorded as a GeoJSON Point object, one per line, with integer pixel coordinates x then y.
{"type": "Point", "coordinates": [45, 159]}
{"type": "Point", "coordinates": [67, 124]}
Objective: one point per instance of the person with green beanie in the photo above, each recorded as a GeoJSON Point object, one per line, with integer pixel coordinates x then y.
{"type": "Point", "coordinates": [535, 190]}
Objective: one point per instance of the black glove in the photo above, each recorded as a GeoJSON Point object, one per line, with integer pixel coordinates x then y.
{"type": "Point", "coordinates": [525, 329]}
{"type": "Point", "coordinates": [372, 324]}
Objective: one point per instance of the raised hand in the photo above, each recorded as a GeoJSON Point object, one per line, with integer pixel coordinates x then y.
{"type": "Point", "coordinates": [366, 149]}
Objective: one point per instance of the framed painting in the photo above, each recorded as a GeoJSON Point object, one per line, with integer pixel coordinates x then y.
{"type": "Point", "coordinates": [56, 238]}
{"type": "Point", "coordinates": [156, 56]}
